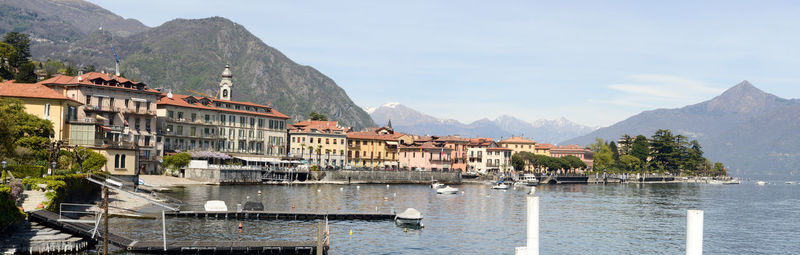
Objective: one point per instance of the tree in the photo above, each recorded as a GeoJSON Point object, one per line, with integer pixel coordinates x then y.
{"type": "Point", "coordinates": [177, 161]}
{"type": "Point", "coordinates": [21, 45]}
{"type": "Point", "coordinates": [317, 116]}
{"type": "Point", "coordinates": [603, 156]}
{"type": "Point", "coordinates": [640, 148]}
{"type": "Point", "coordinates": [625, 144]}
{"type": "Point", "coordinates": [18, 128]}
{"type": "Point", "coordinates": [70, 71]}
{"type": "Point", "coordinates": [88, 160]}
{"type": "Point", "coordinates": [26, 73]}
{"type": "Point", "coordinates": [629, 162]}
{"type": "Point", "coordinates": [574, 162]}
{"type": "Point", "coordinates": [517, 161]}
{"type": "Point", "coordinates": [88, 69]}
{"type": "Point", "coordinates": [614, 150]}
{"type": "Point", "coordinates": [719, 169]}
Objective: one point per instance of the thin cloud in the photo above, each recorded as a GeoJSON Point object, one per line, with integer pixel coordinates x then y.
{"type": "Point", "coordinates": [620, 102]}
{"type": "Point", "coordinates": [666, 86]}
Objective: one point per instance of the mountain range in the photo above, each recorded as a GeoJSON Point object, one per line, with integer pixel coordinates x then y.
{"type": "Point", "coordinates": [178, 55]}
{"type": "Point", "coordinates": [752, 132]}
{"type": "Point", "coordinates": [408, 120]}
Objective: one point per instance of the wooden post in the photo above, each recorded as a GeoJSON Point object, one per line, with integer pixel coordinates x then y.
{"type": "Point", "coordinates": [105, 220]}
{"type": "Point", "coordinates": [319, 238]}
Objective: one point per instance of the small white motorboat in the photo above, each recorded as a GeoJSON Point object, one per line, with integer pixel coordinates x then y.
{"type": "Point", "coordinates": [408, 217]}
{"type": "Point", "coordinates": [732, 181]}
{"type": "Point", "coordinates": [529, 180]}
{"type": "Point", "coordinates": [761, 183]}
{"type": "Point", "coordinates": [215, 206]}
{"type": "Point", "coordinates": [436, 185]}
{"type": "Point", "coordinates": [789, 182]}
{"type": "Point", "coordinates": [500, 186]}
{"type": "Point", "coordinates": [714, 182]}
{"type": "Point", "coordinates": [447, 190]}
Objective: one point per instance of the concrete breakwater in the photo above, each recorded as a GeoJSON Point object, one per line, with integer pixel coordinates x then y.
{"type": "Point", "coordinates": [395, 177]}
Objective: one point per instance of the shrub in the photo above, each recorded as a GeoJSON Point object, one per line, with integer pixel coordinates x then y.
{"type": "Point", "coordinates": [22, 171]}
{"type": "Point", "coordinates": [9, 212]}
{"type": "Point", "coordinates": [63, 187]}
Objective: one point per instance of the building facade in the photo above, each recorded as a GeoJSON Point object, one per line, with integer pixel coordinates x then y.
{"type": "Point", "coordinates": [518, 144]}
{"type": "Point", "coordinates": [458, 152]}
{"type": "Point", "coordinates": [431, 155]}
{"type": "Point", "coordinates": [375, 147]}
{"type": "Point", "coordinates": [194, 123]}
{"type": "Point", "coordinates": [582, 153]}
{"type": "Point", "coordinates": [322, 143]}
{"type": "Point", "coordinates": [543, 149]}
{"type": "Point", "coordinates": [117, 119]}
{"type": "Point", "coordinates": [45, 103]}
{"type": "Point", "coordinates": [476, 152]}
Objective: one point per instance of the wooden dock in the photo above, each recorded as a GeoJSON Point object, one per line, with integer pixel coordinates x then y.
{"type": "Point", "coordinates": [271, 215]}
{"type": "Point", "coordinates": [180, 246]}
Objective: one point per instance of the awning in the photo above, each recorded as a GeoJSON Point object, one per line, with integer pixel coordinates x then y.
{"type": "Point", "coordinates": [257, 159]}
{"type": "Point", "coordinates": [391, 142]}
{"type": "Point", "coordinates": [105, 128]}
{"type": "Point", "coordinates": [138, 99]}
{"type": "Point", "coordinates": [98, 117]}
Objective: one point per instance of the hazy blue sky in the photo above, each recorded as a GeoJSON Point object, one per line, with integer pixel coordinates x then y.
{"type": "Point", "coordinates": [594, 62]}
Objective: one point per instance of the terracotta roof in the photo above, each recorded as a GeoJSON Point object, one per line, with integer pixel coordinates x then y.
{"type": "Point", "coordinates": [569, 148]}
{"type": "Point", "coordinates": [179, 100]}
{"type": "Point", "coordinates": [517, 139]}
{"type": "Point", "coordinates": [544, 146]}
{"type": "Point", "coordinates": [308, 125]}
{"type": "Point", "coordinates": [454, 138]}
{"type": "Point", "coordinates": [27, 90]}
{"type": "Point", "coordinates": [87, 78]}
{"type": "Point", "coordinates": [429, 145]}
{"type": "Point", "coordinates": [480, 141]}
{"type": "Point", "coordinates": [372, 135]}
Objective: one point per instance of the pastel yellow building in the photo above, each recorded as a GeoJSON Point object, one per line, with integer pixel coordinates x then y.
{"type": "Point", "coordinates": [518, 144]}
{"type": "Point", "coordinates": [375, 147]}
{"type": "Point", "coordinates": [322, 143]}
{"type": "Point", "coordinates": [45, 103]}
{"type": "Point", "coordinates": [544, 149]}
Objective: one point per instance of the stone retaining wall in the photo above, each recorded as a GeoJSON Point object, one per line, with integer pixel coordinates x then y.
{"type": "Point", "coordinates": [223, 176]}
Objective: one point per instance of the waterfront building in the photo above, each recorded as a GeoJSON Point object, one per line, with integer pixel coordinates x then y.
{"type": "Point", "coordinates": [543, 149]}
{"type": "Point", "coordinates": [322, 143]}
{"type": "Point", "coordinates": [45, 103]}
{"type": "Point", "coordinates": [582, 153]}
{"type": "Point", "coordinates": [498, 159]}
{"type": "Point", "coordinates": [248, 131]}
{"type": "Point", "coordinates": [458, 151]}
{"type": "Point", "coordinates": [426, 154]}
{"type": "Point", "coordinates": [117, 119]}
{"type": "Point", "coordinates": [518, 144]}
{"type": "Point", "coordinates": [375, 147]}
{"type": "Point", "coordinates": [476, 150]}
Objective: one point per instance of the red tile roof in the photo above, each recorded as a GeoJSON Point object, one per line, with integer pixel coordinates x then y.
{"type": "Point", "coordinates": [480, 141]}
{"type": "Point", "coordinates": [498, 149]}
{"type": "Point", "coordinates": [517, 139]}
{"type": "Point", "coordinates": [27, 90]}
{"type": "Point", "coordinates": [179, 100]}
{"type": "Point", "coordinates": [544, 146]}
{"type": "Point", "coordinates": [87, 78]}
{"type": "Point", "coordinates": [308, 125]}
{"type": "Point", "coordinates": [372, 135]}
{"type": "Point", "coordinates": [429, 145]}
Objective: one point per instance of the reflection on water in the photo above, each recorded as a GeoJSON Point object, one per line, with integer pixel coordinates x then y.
{"type": "Point", "coordinates": [575, 219]}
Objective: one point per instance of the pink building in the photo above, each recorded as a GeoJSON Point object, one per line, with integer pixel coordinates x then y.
{"type": "Point", "coordinates": [574, 150]}
{"type": "Point", "coordinates": [430, 155]}
{"type": "Point", "coordinates": [458, 154]}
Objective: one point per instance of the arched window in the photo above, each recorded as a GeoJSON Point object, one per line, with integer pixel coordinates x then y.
{"type": "Point", "coordinates": [122, 161]}
{"type": "Point", "coordinates": [224, 93]}
{"type": "Point", "coordinates": [116, 161]}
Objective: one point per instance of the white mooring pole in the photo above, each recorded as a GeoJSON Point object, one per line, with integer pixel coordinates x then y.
{"type": "Point", "coordinates": [164, 228]}
{"type": "Point", "coordinates": [532, 247]}
{"type": "Point", "coordinates": [694, 232]}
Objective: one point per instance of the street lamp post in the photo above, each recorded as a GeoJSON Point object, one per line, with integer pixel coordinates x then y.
{"type": "Point", "coordinates": [52, 166]}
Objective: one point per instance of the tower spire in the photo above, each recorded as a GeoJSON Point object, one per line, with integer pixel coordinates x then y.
{"type": "Point", "coordinates": [226, 84]}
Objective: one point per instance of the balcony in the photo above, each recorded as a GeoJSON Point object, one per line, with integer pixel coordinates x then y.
{"type": "Point", "coordinates": [354, 147]}
{"type": "Point", "coordinates": [102, 108]}
{"type": "Point", "coordinates": [473, 157]}
{"type": "Point", "coordinates": [86, 121]}
{"type": "Point", "coordinates": [140, 111]}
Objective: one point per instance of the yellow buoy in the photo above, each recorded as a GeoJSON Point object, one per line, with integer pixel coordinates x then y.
{"type": "Point", "coordinates": [351, 232]}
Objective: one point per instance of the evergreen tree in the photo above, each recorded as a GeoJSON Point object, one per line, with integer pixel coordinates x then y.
{"type": "Point", "coordinates": [640, 148]}
{"type": "Point", "coordinates": [614, 150]}
{"type": "Point", "coordinates": [625, 144]}
{"type": "Point", "coordinates": [26, 73]}
{"type": "Point", "coordinates": [21, 44]}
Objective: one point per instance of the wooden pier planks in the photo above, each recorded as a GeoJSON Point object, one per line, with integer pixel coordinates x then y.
{"type": "Point", "coordinates": [272, 215]}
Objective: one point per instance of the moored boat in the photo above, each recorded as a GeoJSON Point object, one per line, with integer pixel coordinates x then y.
{"type": "Point", "coordinates": [732, 181]}
{"type": "Point", "coordinates": [529, 180]}
{"type": "Point", "coordinates": [761, 183]}
{"type": "Point", "coordinates": [436, 185]}
{"type": "Point", "coordinates": [215, 206]}
{"type": "Point", "coordinates": [500, 186]}
{"type": "Point", "coordinates": [447, 190]}
{"type": "Point", "coordinates": [408, 217]}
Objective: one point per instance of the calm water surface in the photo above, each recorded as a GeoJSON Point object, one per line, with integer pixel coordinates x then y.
{"type": "Point", "coordinates": [575, 219]}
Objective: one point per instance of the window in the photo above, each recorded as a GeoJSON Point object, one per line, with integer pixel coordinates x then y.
{"type": "Point", "coordinates": [88, 99]}
{"type": "Point", "coordinates": [327, 141]}
{"type": "Point", "coordinates": [146, 105]}
{"type": "Point", "coordinates": [147, 123]}
{"type": "Point", "coordinates": [137, 106]}
{"type": "Point", "coordinates": [252, 122]}
{"type": "Point", "coordinates": [147, 140]}
{"type": "Point", "coordinates": [241, 121]}
{"type": "Point", "coordinates": [193, 131]}
{"type": "Point", "coordinates": [126, 102]}
{"type": "Point", "coordinates": [47, 111]}
{"type": "Point", "coordinates": [222, 119]}
{"type": "Point", "coordinates": [208, 119]}
{"type": "Point", "coordinates": [170, 114]}
{"type": "Point", "coordinates": [122, 161]}
{"type": "Point", "coordinates": [194, 117]}
{"type": "Point", "coordinates": [116, 161]}
{"type": "Point", "coordinates": [180, 130]}
{"type": "Point", "coordinates": [137, 123]}
{"type": "Point", "coordinates": [169, 128]}
{"type": "Point", "coordinates": [260, 123]}
{"type": "Point", "coordinates": [180, 115]}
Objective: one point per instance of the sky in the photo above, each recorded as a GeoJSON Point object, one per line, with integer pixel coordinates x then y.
{"type": "Point", "coordinates": [593, 62]}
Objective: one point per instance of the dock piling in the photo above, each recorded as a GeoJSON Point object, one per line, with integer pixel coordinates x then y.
{"type": "Point", "coordinates": [532, 245]}
{"type": "Point", "coordinates": [694, 232]}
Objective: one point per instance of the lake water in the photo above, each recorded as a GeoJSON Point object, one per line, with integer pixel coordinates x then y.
{"type": "Point", "coordinates": [574, 219]}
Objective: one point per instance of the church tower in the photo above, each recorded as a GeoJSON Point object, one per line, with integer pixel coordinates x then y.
{"type": "Point", "coordinates": [226, 84]}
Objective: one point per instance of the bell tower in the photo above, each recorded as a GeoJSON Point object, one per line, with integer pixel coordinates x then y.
{"type": "Point", "coordinates": [226, 84]}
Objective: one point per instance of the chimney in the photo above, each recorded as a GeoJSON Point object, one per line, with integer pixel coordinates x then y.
{"type": "Point", "coordinates": [169, 94]}
{"type": "Point", "coordinates": [80, 76]}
